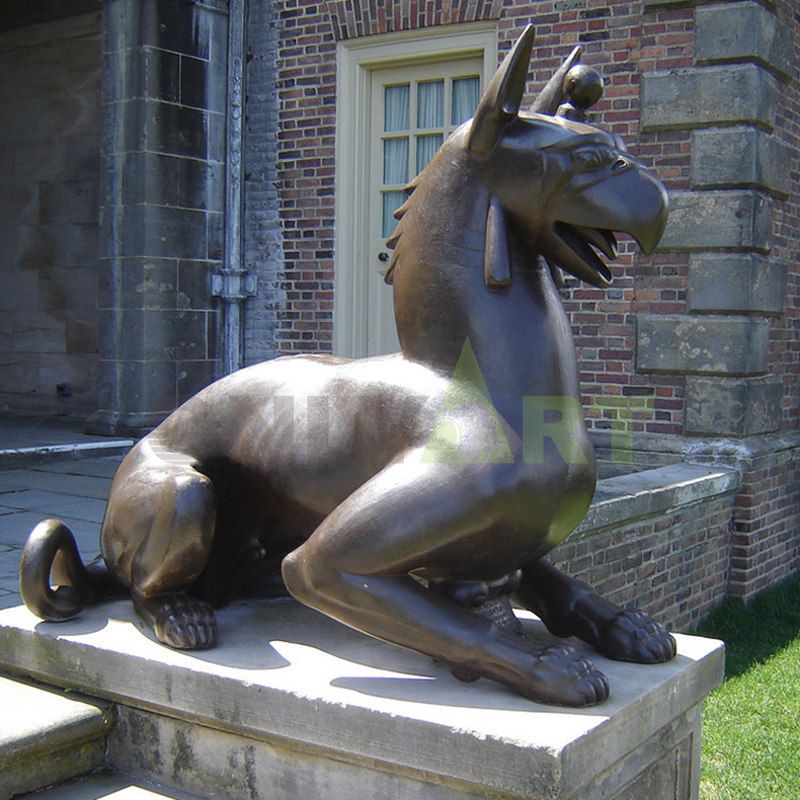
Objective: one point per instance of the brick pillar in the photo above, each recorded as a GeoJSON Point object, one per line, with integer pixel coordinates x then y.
{"type": "Point", "coordinates": [163, 144]}
{"type": "Point", "coordinates": [737, 288]}
{"type": "Point", "coordinates": [737, 168]}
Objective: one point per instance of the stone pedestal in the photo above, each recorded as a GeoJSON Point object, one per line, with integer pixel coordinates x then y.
{"type": "Point", "coordinates": [292, 705]}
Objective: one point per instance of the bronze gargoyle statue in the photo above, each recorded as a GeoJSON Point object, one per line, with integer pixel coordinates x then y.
{"type": "Point", "coordinates": [395, 493]}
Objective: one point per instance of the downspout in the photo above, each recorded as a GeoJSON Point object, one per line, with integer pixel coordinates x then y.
{"type": "Point", "coordinates": [234, 284]}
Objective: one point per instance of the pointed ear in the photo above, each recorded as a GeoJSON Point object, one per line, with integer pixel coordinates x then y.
{"type": "Point", "coordinates": [496, 259]}
{"type": "Point", "coordinates": [501, 100]}
{"type": "Point", "coordinates": [551, 97]}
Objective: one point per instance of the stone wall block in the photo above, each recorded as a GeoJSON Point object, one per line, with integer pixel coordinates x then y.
{"type": "Point", "coordinates": [203, 84]}
{"type": "Point", "coordinates": [21, 292]}
{"type": "Point", "coordinates": [173, 129]}
{"type": "Point", "coordinates": [182, 27]}
{"type": "Point", "coordinates": [160, 74]}
{"type": "Point", "coordinates": [740, 157]}
{"type": "Point", "coordinates": [82, 334]}
{"type": "Point", "coordinates": [147, 386]}
{"type": "Point", "coordinates": [32, 332]}
{"type": "Point", "coordinates": [143, 283]}
{"type": "Point", "coordinates": [162, 334]}
{"type": "Point", "coordinates": [737, 283]}
{"type": "Point", "coordinates": [194, 278]}
{"type": "Point", "coordinates": [702, 344]}
{"type": "Point", "coordinates": [717, 220]}
{"type": "Point", "coordinates": [730, 32]}
{"type": "Point", "coordinates": [153, 74]}
{"type": "Point", "coordinates": [704, 96]}
{"type": "Point", "coordinates": [732, 406]}
{"type": "Point", "coordinates": [164, 232]}
{"type": "Point", "coordinates": [68, 201]}
{"type": "Point", "coordinates": [192, 376]}
{"type": "Point", "coordinates": [74, 288]}
{"type": "Point", "coordinates": [160, 179]}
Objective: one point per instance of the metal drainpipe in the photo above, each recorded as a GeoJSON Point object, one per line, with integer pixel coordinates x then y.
{"type": "Point", "coordinates": [234, 284]}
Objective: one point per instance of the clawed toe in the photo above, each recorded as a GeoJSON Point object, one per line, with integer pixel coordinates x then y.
{"type": "Point", "coordinates": [562, 677]}
{"type": "Point", "coordinates": [186, 623]}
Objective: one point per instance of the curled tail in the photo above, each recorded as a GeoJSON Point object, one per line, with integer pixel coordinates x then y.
{"type": "Point", "coordinates": [51, 550]}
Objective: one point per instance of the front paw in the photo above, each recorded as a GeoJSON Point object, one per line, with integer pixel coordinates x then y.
{"type": "Point", "coordinates": [186, 623]}
{"type": "Point", "coordinates": [561, 676]}
{"type": "Point", "coordinates": [633, 636]}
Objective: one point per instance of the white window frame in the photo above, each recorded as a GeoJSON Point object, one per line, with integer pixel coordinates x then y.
{"type": "Point", "coordinates": [355, 60]}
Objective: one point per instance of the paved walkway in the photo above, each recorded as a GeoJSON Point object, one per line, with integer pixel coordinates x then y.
{"type": "Point", "coordinates": [73, 491]}
{"type": "Point", "coordinates": [50, 468]}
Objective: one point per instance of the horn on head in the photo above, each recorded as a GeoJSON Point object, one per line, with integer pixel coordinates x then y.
{"type": "Point", "coordinates": [503, 96]}
{"type": "Point", "coordinates": [549, 99]}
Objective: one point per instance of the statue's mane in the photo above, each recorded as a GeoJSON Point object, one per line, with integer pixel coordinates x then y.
{"type": "Point", "coordinates": [448, 183]}
{"type": "Point", "coordinates": [397, 234]}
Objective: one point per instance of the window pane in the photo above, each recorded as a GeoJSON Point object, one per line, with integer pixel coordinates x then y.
{"type": "Point", "coordinates": [395, 160]}
{"type": "Point", "coordinates": [465, 99]}
{"type": "Point", "coordinates": [391, 202]}
{"type": "Point", "coordinates": [395, 105]}
{"type": "Point", "coordinates": [430, 104]}
{"type": "Point", "coordinates": [426, 149]}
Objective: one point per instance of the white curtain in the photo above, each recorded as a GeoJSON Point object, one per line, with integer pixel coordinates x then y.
{"type": "Point", "coordinates": [426, 149]}
{"type": "Point", "coordinates": [395, 106]}
{"type": "Point", "coordinates": [430, 104]}
{"type": "Point", "coordinates": [391, 202]}
{"type": "Point", "coordinates": [395, 160]}
{"type": "Point", "coordinates": [465, 99]}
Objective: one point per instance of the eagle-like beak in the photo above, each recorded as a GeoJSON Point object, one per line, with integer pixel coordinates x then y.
{"type": "Point", "coordinates": [629, 200]}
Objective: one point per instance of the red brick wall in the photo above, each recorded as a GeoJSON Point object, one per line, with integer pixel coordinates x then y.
{"type": "Point", "coordinates": [307, 97]}
{"type": "Point", "coordinates": [617, 38]}
{"type": "Point", "coordinates": [623, 41]}
{"type": "Point", "coordinates": [765, 542]}
{"type": "Point", "coordinates": [674, 567]}
{"type": "Point", "coordinates": [785, 335]}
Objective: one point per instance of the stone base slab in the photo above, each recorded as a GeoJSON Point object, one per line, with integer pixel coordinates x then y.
{"type": "Point", "coordinates": [292, 704]}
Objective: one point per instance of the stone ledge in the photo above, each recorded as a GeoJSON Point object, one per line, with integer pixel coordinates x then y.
{"type": "Point", "coordinates": [743, 453]}
{"type": "Point", "coordinates": [658, 5]}
{"type": "Point", "coordinates": [740, 157]}
{"type": "Point", "coordinates": [708, 345]}
{"type": "Point", "coordinates": [743, 31]}
{"type": "Point", "coordinates": [737, 283]}
{"type": "Point", "coordinates": [699, 97]}
{"type": "Point", "coordinates": [17, 457]}
{"type": "Point", "coordinates": [629, 498]}
{"type": "Point", "coordinates": [717, 220]}
{"type": "Point", "coordinates": [293, 681]}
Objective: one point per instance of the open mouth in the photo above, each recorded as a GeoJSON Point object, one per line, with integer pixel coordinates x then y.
{"type": "Point", "coordinates": [578, 249]}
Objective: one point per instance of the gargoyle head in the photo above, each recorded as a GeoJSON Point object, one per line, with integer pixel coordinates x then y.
{"type": "Point", "coordinates": [561, 186]}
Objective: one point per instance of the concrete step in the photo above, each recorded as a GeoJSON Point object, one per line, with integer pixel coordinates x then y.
{"type": "Point", "coordinates": [47, 736]}
{"type": "Point", "coordinates": [109, 786]}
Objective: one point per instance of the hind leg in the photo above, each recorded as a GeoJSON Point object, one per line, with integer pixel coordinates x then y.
{"type": "Point", "coordinates": [569, 607]}
{"type": "Point", "coordinates": [355, 568]}
{"type": "Point", "coordinates": [157, 537]}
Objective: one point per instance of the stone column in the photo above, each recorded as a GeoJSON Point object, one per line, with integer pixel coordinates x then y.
{"type": "Point", "coordinates": [162, 203]}
{"type": "Point", "coordinates": [729, 101]}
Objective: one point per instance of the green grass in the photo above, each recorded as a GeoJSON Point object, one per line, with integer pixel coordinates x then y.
{"type": "Point", "coordinates": [751, 724]}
